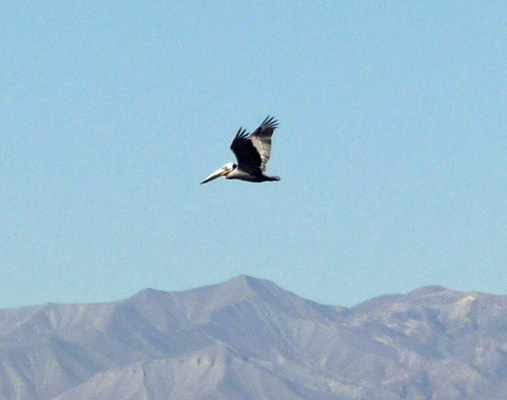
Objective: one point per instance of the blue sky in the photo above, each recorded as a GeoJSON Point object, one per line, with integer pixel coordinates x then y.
{"type": "Point", "coordinates": [391, 147]}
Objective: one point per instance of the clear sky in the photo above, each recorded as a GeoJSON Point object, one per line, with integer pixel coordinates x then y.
{"type": "Point", "coordinates": [392, 147]}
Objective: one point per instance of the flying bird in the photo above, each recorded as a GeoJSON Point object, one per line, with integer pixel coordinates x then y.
{"type": "Point", "coordinates": [252, 152]}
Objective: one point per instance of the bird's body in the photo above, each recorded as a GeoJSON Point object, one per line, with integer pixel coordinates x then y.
{"type": "Point", "coordinates": [246, 176]}
{"type": "Point", "coordinates": [252, 152]}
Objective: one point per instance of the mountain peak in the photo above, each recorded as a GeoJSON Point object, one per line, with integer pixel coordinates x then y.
{"type": "Point", "coordinates": [240, 282]}
{"type": "Point", "coordinates": [427, 291]}
{"type": "Point", "coordinates": [250, 283]}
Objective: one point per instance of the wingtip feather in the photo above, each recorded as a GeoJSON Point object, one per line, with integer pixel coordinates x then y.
{"type": "Point", "coordinates": [270, 121]}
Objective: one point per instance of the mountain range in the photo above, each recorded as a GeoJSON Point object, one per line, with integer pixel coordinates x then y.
{"type": "Point", "coordinates": [247, 338]}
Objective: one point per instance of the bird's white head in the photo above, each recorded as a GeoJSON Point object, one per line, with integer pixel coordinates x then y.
{"type": "Point", "coordinates": [220, 172]}
{"type": "Point", "coordinates": [229, 167]}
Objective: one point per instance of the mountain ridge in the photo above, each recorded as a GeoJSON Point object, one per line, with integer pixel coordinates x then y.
{"type": "Point", "coordinates": [248, 338]}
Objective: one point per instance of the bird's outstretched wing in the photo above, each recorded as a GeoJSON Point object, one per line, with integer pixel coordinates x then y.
{"type": "Point", "coordinates": [254, 151]}
{"type": "Point", "coordinates": [247, 155]}
{"type": "Point", "coordinates": [261, 139]}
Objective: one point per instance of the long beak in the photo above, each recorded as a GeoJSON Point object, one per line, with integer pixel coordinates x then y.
{"type": "Point", "coordinates": [217, 174]}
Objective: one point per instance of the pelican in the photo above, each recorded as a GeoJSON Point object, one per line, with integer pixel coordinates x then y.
{"type": "Point", "coordinates": [252, 152]}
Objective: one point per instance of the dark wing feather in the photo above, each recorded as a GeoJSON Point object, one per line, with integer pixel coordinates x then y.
{"type": "Point", "coordinates": [261, 140]}
{"type": "Point", "coordinates": [247, 155]}
{"type": "Point", "coordinates": [253, 152]}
